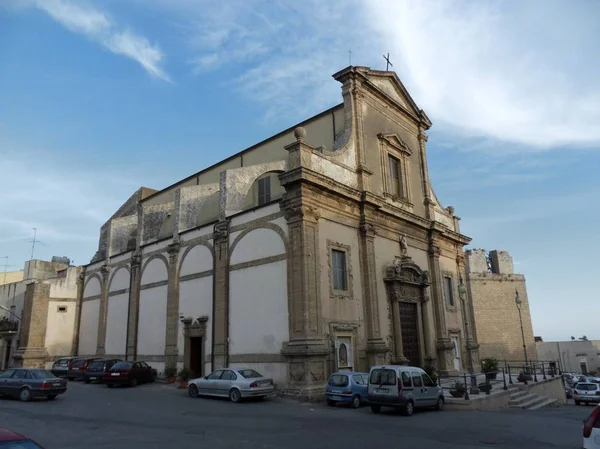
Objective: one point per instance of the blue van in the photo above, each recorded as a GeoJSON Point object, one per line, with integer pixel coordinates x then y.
{"type": "Point", "coordinates": [348, 387]}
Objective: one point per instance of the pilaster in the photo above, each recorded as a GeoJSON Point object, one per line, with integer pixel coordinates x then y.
{"type": "Point", "coordinates": [134, 305]}
{"type": "Point", "coordinates": [220, 350]}
{"type": "Point", "coordinates": [376, 345]}
{"type": "Point", "coordinates": [471, 344]}
{"type": "Point", "coordinates": [33, 353]}
{"type": "Point", "coordinates": [104, 271]}
{"type": "Point", "coordinates": [78, 304]}
{"type": "Point", "coordinates": [172, 324]}
{"type": "Point", "coordinates": [425, 182]}
{"type": "Point", "coordinates": [443, 343]}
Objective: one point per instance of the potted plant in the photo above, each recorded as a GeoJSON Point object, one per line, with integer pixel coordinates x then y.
{"type": "Point", "coordinates": [524, 377]}
{"type": "Point", "coordinates": [458, 390]}
{"type": "Point", "coordinates": [170, 372]}
{"type": "Point", "coordinates": [431, 372]}
{"type": "Point", "coordinates": [490, 367]}
{"type": "Point", "coordinates": [184, 375]}
{"type": "Point", "coordinates": [485, 387]}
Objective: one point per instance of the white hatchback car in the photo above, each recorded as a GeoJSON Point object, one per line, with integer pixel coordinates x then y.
{"type": "Point", "coordinates": [591, 430]}
{"type": "Point", "coordinates": [586, 392]}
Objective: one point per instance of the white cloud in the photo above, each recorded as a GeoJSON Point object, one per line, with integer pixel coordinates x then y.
{"type": "Point", "coordinates": [84, 18]}
{"type": "Point", "coordinates": [507, 71]}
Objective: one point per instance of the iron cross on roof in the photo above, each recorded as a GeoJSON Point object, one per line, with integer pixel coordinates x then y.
{"type": "Point", "coordinates": [388, 63]}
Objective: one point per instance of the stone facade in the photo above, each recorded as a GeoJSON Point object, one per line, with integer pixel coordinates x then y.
{"type": "Point", "coordinates": [322, 248]}
{"type": "Point", "coordinates": [493, 287]}
{"type": "Point", "coordinates": [575, 356]}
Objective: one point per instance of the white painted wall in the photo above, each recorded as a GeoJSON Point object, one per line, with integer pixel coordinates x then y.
{"type": "Point", "coordinates": [276, 371]}
{"type": "Point", "coordinates": [152, 321]}
{"type": "Point", "coordinates": [92, 287]}
{"type": "Point", "coordinates": [257, 244]}
{"type": "Point", "coordinates": [258, 309]}
{"type": "Point", "coordinates": [196, 300]}
{"type": "Point", "coordinates": [88, 328]}
{"type": "Point", "coordinates": [205, 230]}
{"type": "Point", "coordinates": [197, 260]}
{"type": "Point", "coordinates": [255, 214]}
{"type": "Point", "coordinates": [116, 324]}
{"type": "Point", "coordinates": [155, 271]}
{"type": "Point", "coordinates": [59, 329]}
{"type": "Point", "coordinates": [65, 287]}
{"type": "Point", "coordinates": [120, 280]}
{"type": "Point", "coordinates": [121, 258]}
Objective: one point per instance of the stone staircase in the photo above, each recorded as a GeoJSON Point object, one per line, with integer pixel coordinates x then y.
{"type": "Point", "coordinates": [529, 401]}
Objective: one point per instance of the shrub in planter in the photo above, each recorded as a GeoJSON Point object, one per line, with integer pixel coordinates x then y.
{"type": "Point", "coordinates": [171, 372]}
{"type": "Point", "coordinates": [485, 388]}
{"type": "Point", "coordinates": [490, 367]}
{"type": "Point", "coordinates": [184, 375]}
{"type": "Point", "coordinates": [431, 372]}
{"type": "Point", "coordinates": [524, 377]}
{"type": "Point", "coordinates": [458, 390]}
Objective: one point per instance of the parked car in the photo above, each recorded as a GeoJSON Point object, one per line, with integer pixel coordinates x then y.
{"type": "Point", "coordinates": [586, 392]}
{"type": "Point", "coordinates": [236, 384]}
{"type": "Point", "coordinates": [129, 373]}
{"type": "Point", "coordinates": [12, 440]}
{"type": "Point", "coordinates": [347, 387]}
{"type": "Point", "coordinates": [61, 366]}
{"type": "Point", "coordinates": [27, 384]}
{"type": "Point", "coordinates": [591, 430]}
{"type": "Point", "coordinates": [96, 370]}
{"type": "Point", "coordinates": [78, 367]}
{"type": "Point", "coordinates": [403, 387]}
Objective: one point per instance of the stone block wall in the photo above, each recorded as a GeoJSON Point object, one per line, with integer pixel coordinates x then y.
{"type": "Point", "coordinates": [495, 310]}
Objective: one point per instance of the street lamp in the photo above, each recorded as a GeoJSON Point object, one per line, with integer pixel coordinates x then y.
{"type": "Point", "coordinates": [519, 303]}
{"type": "Point", "coordinates": [462, 294]}
{"type": "Point", "coordinates": [9, 311]}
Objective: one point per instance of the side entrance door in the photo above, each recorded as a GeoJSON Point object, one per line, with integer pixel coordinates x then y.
{"type": "Point", "coordinates": [196, 362]}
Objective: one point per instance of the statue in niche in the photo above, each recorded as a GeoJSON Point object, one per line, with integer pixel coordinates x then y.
{"type": "Point", "coordinates": [403, 246]}
{"type": "Point", "coordinates": [343, 355]}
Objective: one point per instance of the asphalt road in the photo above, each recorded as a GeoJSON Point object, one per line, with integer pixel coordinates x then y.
{"type": "Point", "coordinates": [159, 416]}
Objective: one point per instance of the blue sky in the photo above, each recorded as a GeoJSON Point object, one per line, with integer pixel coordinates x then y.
{"type": "Point", "coordinates": [100, 97]}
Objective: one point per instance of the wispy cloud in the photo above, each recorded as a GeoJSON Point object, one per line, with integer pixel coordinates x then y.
{"type": "Point", "coordinates": [82, 17]}
{"type": "Point", "coordinates": [505, 71]}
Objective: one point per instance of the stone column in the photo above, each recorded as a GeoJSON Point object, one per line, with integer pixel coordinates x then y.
{"type": "Point", "coordinates": [376, 346]}
{"type": "Point", "coordinates": [425, 182]}
{"type": "Point", "coordinates": [134, 305]}
{"type": "Point", "coordinates": [399, 358]}
{"type": "Point", "coordinates": [78, 307]}
{"type": "Point", "coordinates": [443, 343]}
{"type": "Point", "coordinates": [428, 327]}
{"type": "Point", "coordinates": [172, 333]}
{"type": "Point", "coordinates": [105, 271]}
{"type": "Point", "coordinates": [33, 353]}
{"type": "Point", "coordinates": [220, 350]}
{"type": "Point", "coordinates": [469, 323]}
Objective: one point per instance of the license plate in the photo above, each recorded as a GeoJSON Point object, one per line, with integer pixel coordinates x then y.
{"type": "Point", "coordinates": [336, 398]}
{"type": "Point", "coordinates": [381, 390]}
{"type": "Point", "coordinates": [114, 374]}
{"type": "Point", "coordinates": [57, 384]}
{"type": "Point", "coordinates": [92, 378]}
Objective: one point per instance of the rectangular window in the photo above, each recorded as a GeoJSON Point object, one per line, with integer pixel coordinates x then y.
{"type": "Point", "coordinates": [61, 309]}
{"type": "Point", "coordinates": [449, 290]}
{"type": "Point", "coordinates": [264, 190]}
{"type": "Point", "coordinates": [395, 179]}
{"type": "Point", "coordinates": [339, 270]}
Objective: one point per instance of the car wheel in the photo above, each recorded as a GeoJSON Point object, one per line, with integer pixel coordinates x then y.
{"type": "Point", "coordinates": [51, 397]}
{"type": "Point", "coordinates": [355, 401]}
{"type": "Point", "coordinates": [408, 409]}
{"type": "Point", "coordinates": [133, 382]}
{"type": "Point", "coordinates": [439, 406]}
{"type": "Point", "coordinates": [235, 395]}
{"type": "Point", "coordinates": [193, 390]}
{"type": "Point", "coordinates": [25, 394]}
{"type": "Point", "coordinates": [153, 377]}
{"type": "Point", "coordinates": [330, 403]}
{"type": "Point", "coordinates": [376, 409]}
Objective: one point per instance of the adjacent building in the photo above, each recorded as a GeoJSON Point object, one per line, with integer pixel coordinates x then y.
{"type": "Point", "coordinates": [501, 307]}
{"type": "Point", "coordinates": [321, 248]}
{"type": "Point", "coordinates": [575, 356]}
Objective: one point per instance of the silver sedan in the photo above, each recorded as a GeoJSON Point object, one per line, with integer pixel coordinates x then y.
{"type": "Point", "coordinates": [235, 384]}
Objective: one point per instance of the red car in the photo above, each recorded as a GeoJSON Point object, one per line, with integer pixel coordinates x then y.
{"type": "Point", "coordinates": [129, 373]}
{"type": "Point", "coordinates": [12, 440]}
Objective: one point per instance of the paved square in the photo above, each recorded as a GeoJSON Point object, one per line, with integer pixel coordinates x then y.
{"type": "Point", "coordinates": [159, 416]}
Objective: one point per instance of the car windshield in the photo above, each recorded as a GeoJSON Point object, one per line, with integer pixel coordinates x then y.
{"type": "Point", "coordinates": [338, 380]}
{"type": "Point", "coordinates": [586, 387]}
{"type": "Point", "coordinates": [121, 365]}
{"type": "Point", "coordinates": [96, 366]}
{"type": "Point", "coordinates": [383, 377]}
{"type": "Point", "coordinates": [41, 374]}
{"type": "Point", "coordinates": [77, 363]}
{"type": "Point", "coordinates": [249, 373]}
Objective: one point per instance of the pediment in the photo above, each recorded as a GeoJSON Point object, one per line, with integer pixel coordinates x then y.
{"type": "Point", "coordinates": [393, 140]}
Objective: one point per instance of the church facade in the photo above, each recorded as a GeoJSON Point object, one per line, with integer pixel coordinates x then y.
{"type": "Point", "coordinates": [322, 248]}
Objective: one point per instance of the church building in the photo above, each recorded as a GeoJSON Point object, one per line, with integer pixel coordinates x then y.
{"type": "Point", "coordinates": [322, 248]}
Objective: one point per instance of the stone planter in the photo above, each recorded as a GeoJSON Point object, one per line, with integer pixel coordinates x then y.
{"type": "Point", "coordinates": [457, 394]}
{"type": "Point", "coordinates": [171, 380]}
{"type": "Point", "coordinates": [491, 376]}
{"type": "Point", "coordinates": [183, 384]}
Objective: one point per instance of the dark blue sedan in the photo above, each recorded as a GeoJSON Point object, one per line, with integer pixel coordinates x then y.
{"type": "Point", "coordinates": [347, 387]}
